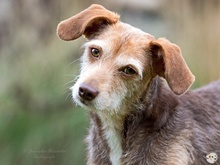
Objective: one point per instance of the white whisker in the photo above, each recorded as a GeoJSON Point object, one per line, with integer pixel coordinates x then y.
{"type": "Point", "coordinates": [78, 59]}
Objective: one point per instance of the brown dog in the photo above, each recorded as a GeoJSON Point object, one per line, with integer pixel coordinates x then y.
{"type": "Point", "coordinates": [135, 118]}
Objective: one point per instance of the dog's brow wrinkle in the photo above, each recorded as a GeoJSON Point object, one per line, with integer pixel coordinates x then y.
{"type": "Point", "coordinates": [100, 43]}
{"type": "Point", "coordinates": [123, 60]}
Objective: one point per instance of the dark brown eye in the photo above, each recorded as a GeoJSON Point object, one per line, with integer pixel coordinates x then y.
{"type": "Point", "coordinates": [95, 52]}
{"type": "Point", "coordinates": [128, 70]}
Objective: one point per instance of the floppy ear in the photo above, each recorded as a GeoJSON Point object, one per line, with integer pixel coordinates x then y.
{"type": "Point", "coordinates": [169, 63]}
{"type": "Point", "coordinates": [87, 22]}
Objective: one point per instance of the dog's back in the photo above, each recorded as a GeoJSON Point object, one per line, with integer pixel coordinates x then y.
{"type": "Point", "coordinates": [204, 106]}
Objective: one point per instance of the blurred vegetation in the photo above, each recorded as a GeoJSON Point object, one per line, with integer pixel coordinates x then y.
{"type": "Point", "coordinates": [39, 124]}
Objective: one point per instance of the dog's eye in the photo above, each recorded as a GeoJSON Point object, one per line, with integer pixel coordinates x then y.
{"type": "Point", "coordinates": [128, 70]}
{"type": "Point", "coordinates": [95, 52]}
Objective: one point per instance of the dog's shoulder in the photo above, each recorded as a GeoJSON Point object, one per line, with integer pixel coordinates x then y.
{"type": "Point", "coordinates": [207, 95]}
{"type": "Point", "coordinates": [209, 91]}
{"type": "Point", "coordinates": [207, 98]}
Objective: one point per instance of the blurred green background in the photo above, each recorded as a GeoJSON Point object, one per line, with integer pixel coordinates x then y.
{"type": "Point", "coordinates": [39, 124]}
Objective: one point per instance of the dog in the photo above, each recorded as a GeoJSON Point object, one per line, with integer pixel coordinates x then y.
{"type": "Point", "coordinates": [135, 88]}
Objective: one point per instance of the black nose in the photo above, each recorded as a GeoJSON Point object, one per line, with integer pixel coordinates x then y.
{"type": "Point", "coordinates": [87, 92]}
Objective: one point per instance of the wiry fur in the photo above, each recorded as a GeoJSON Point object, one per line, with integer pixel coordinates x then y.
{"type": "Point", "coordinates": [180, 134]}
{"type": "Point", "coordinates": [135, 118]}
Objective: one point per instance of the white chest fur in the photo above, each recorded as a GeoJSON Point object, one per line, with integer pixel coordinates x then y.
{"type": "Point", "coordinates": [112, 130]}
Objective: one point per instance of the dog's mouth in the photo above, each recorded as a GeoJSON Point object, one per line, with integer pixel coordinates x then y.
{"type": "Point", "coordinates": [83, 102]}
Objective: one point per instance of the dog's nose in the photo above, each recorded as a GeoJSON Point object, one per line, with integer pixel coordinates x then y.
{"type": "Point", "coordinates": [87, 92]}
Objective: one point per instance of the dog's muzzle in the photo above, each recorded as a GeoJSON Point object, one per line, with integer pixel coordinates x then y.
{"type": "Point", "coordinates": [87, 93]}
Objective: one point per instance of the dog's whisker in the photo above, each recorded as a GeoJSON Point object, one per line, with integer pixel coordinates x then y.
{"type": "Point", "coordinates": [73, 62]}
{"type": "Point", "coordinates": [69, 96]}
{"type": "Point", "coordinates": [71, 75]}
{"type": "Point", "coordinates": [69, 84]}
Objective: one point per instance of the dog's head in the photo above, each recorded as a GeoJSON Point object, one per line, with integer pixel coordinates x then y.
{"type": "Point", "coordinates": [120, 61]}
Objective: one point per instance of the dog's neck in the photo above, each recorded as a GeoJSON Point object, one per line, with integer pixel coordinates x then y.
{"type": "Point", "coordinates": [158, 104]}
{"type": "Point", "coordinates": [149, 109]}
{"type": "Point", "coordinates": [112, 127]}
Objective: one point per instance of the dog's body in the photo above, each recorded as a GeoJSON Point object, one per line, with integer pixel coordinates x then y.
{"type": "Point", "coordinates": [184, 132]}
{"type": "Point", "coordinates": [135, 118]}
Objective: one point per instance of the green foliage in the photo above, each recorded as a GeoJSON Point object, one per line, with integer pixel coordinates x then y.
{"type": "Point", "coordinates": [38, 121]}
{"type": "Point", "coordinates": [28, 138]}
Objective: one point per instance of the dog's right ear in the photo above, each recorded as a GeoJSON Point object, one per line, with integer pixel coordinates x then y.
{"type": "Point", "coordinates": [169, 63]}
{"type": "Point", "coordinates": [88, 22]}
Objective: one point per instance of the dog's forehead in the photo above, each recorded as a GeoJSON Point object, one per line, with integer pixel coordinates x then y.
{"type": "Point", "coordinates": [122, 34]}
{"type": "Point", "coordinates": [122, 38]}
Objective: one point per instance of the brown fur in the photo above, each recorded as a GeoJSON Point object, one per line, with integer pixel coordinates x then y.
{"type": "Point", "coordinates": [154, 125]}
{"type": "Point", "coordinates": [79, 24]}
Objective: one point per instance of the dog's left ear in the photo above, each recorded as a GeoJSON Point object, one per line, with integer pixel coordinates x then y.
{"type": "Point", "coordinates": [169, 63]}
{"type": "Point", "coordinates": [88, 22]}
